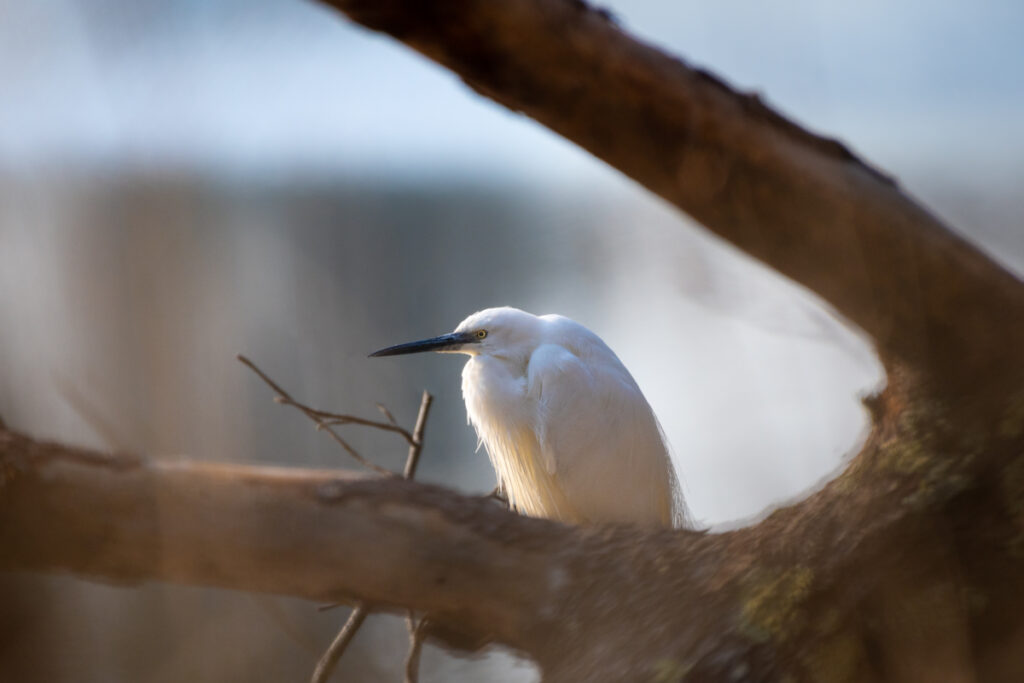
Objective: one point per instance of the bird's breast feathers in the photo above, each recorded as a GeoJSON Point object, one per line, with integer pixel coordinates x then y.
{"type": "Point", "coordinates": [504, 413]}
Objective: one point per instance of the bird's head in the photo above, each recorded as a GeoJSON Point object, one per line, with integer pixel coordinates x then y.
{"type": "Point", "coordinates": [501, 331]}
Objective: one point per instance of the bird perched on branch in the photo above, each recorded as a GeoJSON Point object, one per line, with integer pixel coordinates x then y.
{"type": "Point", "coordinates": [569, 433]}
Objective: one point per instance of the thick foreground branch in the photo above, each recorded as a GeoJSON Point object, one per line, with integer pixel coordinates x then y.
{"type": "Point", "coordinates": [801, 203]}
{"type": "Point", "coordinates": [322, 535]}
{"type": "Point", "coordinates": [815, 592]}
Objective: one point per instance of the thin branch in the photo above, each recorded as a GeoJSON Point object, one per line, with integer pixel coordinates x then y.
{"type": "Point", "coordinates": [416, 631]}
{"type": "Point", "coordinates": [387, 414]}
{"type": "Point", "coordinates": [285, 398]}
{"type": "Point", "coordinates": [417, 634]}
{"type": "Point", "coordinates": [326, 665]}
{"type": "Point", "coordinates": [416, 443]}
{"type": "Point", "coordinates": [337, 648]}
{"type": "Point", "coordinates": [324, 421]}
{"type": "Point", "coordinates": [338, 419]}
{"type": "Point", "coordinates": [326, 607]}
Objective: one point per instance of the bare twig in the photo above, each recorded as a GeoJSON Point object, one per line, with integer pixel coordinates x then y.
{"type": "Point", "coordinates": [285, 398]}
{"type": "Point", "coordinates": [324, 421]}
{"type": "Point", "coordinates": [416, 444]}
{"type": "Point", "coordinates": [412, 662]}
{"type": "Point", "coordinates": [328, 606]}
{"type": "Point", "coordinates": [417, 634]}
{"type": "Point", "coordinates": [328, 418]}
{"type": "Point", "coordinates": [330, 658]}
{"type": "Point", "coordinates": [387, 414]}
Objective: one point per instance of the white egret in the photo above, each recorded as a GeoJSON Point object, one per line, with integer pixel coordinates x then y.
{"type": "Point", "coordinates": [569, 433]}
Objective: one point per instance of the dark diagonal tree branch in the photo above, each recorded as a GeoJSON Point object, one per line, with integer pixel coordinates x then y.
{"type": "Point", "coordinates": [801, 203]}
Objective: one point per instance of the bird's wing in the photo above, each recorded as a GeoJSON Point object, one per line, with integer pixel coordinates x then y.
{"type": "Point", "coordinates": [567, 401]}
{"type": "Point", "coordinates": [599, 440]}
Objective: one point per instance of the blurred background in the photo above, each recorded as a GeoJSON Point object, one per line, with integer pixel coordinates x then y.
{"type": "Point", "coordinates": [183, 181]}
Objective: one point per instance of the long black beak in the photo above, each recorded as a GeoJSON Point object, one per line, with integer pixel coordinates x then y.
{"type": "Point", "coordinates": [446, 342]}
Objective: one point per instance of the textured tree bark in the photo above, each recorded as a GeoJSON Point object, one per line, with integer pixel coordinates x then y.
{"type": "Point", "coordinates": [907, 567]}
{"type": "Point", "coordinates": [322, 535]}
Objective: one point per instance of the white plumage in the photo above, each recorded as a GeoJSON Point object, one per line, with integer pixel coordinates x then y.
{"type": "Point", "coordinates": [569, 433]}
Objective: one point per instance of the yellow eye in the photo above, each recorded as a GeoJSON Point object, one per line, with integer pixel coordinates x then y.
{"type": "Point", "coordinates": [481, 334]}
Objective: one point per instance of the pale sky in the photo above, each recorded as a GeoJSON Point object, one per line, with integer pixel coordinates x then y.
{"type": "Point", "coordinates": [273, 85]}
